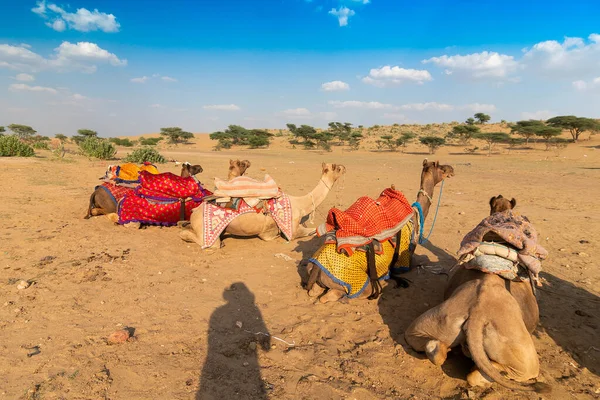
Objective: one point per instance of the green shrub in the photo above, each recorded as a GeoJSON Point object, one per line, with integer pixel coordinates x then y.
{"type": "Point", "coordinates": [121, 142]}
{"type": "Point", "coordinates": [11, 146]}
{"type": "Point", "coordinates": [149, 141]}
{"type": "Point", "coordinates": [40, 146]}
{"type": "Point", "coordinates": [98, 148]}
{"type": "Point", "coordinates": [145, 154]}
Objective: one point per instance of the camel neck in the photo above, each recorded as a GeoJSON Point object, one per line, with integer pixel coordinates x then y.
{"type": "Point", "coordinates": [427, 186]}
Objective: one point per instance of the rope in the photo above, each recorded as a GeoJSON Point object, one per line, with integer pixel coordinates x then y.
{"type": "Point", "coordinates": [422, 219]}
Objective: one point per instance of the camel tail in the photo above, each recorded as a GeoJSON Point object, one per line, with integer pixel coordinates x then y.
{"type": "Point", "coordinates": [90, 206]}
{"type": "Point", "coordinates": [474, 335]}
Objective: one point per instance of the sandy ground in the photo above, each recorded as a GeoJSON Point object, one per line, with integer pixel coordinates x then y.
{"type": "Point", "coordinates": [89, 278]}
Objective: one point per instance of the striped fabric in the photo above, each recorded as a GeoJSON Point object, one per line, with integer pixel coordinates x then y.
{"type": "Point", "coordinates": [246, 187]}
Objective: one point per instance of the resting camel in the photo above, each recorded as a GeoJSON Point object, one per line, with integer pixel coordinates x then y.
{"type": "Point", "coordinates": [237, 168]}
{"type": "Point", "coordinates": [432, 174]}
{"type": "Point", "coordinates": [492, 319]}
{"type": "Point", "coordinates": [263, 226]}
{"type": "Point", "coordinates": [101, 203]}
{"type": "Point", "coordinates": [499, 204]}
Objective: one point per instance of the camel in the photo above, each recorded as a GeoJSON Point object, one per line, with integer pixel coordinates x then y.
{"type": "Point", "coordinates": [262, 225]}
{"type": "Point", "coordinates": [432, 174]}
{"type": "Point", "coordinates": [499, 204]}
{"type": "Point", "coordinates": [101, 203]}
{"type": "Point", "coordinates": [492, 319]}
{"type": "Point", "coordinates": [237, 168]}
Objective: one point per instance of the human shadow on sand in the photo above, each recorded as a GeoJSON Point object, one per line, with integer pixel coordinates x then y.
{"type": "Point", "coordinates": [236, 330]}
{"type": "Point", "coordinates": [570, 315]}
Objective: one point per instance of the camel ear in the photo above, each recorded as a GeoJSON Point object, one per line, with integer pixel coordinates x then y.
{"type": "Point", "coordinates": [334, 167]}
{"type": "Point", "coordinates": [231, 162]}
{"type": "Point", "coordinates": [492, 201]}
{"type": "Point", "coordinates": [247, 163]}
{"type": "Point", "coordinates": [424, 162]}
{"type": "Point", "coordinates": [194, 169]}
{"type": "Point", "coordinates": [436, 164]}
{"type": "Point", "coordinates": [513, 202]}
{"type": "Point", "coordinates": [323, 166]}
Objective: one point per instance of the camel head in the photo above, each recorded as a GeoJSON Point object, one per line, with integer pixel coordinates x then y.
{"type": "Point", "coordinates": [333, 171]}
{"type": "Point", "coordinates": [436, 171]}
{"type": "Point", "coordinates": [238, 168]}
{"type": "Point", "coordinates": [499, 204]}
{"type": "Point", "coordinates": [188, 169]}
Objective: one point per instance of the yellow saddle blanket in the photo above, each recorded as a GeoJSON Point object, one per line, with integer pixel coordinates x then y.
{"type": "Point", "coordinates": [352, 272]}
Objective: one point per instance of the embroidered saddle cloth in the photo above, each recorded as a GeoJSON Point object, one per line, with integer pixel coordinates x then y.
{"type": "Point", "coordinates": [368, 219]}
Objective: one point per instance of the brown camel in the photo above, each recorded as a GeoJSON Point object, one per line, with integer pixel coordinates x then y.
{"type": "Point", "coordinates": [499, 204]}
{"type": "Point", "coordinates": [492, 319]}
{"type": "Point", "coordinates": [101, 203]}
{"type": "Point", "coordinates": [262, 225]}
{"type": "Point", "coordinates": [432, 174]}
{"type": "Point", "coordinates": [237, 168]}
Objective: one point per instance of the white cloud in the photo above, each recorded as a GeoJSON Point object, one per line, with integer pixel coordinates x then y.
{"type": "Point", "coordinates": [427, 106]}
{"type": "Point", "coordinates": [371, 105]}
{"type": "Point", "coordinates": [329, 115]}
{"type": "Point", "coordinates": [142, 79]}
{"type": "Point", "coordinates": [297, 112]}
{"type": "Point", "coordinates": [25, 77]}
{"type": "Point", "coordinates": [388, 75]}
{"type": "Point", "coordinates": [582, 86]}
{"type": "Point", "coordinates": [342, 14]}
{"type": "Point", "coordinates": [222, 107]}
{"type": "Point", "coordinates": [82, 56]}
{"type": "Point", "coordinates": [168, 79]}
{"type": "Point", "coordinates": [334, 86]}
{"type": "Point", "coordinates": [155, 106]}
{"type": "Point", "coordinates": [15, 87]}
{"type": "Point", "coordinates": [538, 115]}
{"type": "Point", "coordinates": [477, 107]}
{"type": "Point", "coordinates": [78, 96]}
{"type": "Point", "coordinates": [58, 25]}
{"type": "Point", "coordinates": [477, 65]}
{"type": "Point", "coordinates": [82, 20]}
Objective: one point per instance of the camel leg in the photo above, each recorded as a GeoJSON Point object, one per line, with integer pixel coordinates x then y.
{"type": "Point", "coordinates": [269, 235]}
{"type": "Point", "coordinates": [113, 217]}
{"type": "Point", "coordinates": [303, 231]}
{"type": "Point", "coordinates": [437, 352]}
{"type": "Point", "coordinates": [90, 206]}
{"type": "Point", "coordinates": [332, 295]}
{"type": "Point", "coordinates": [189, 235]}
{"type": "Point", "coordinates": [97, 211]}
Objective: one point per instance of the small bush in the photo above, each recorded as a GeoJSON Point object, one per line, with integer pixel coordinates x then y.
{"type": "Point", "coordinates": [98, 148]}
{"type": "Point", "coordinates": [11, 146]}
{"type": "Point", "coordinates": [121, 142]}
{"type": "Point", "coordinates": [40, 145]}
{"type": "Point", "coordinates": [145, 154]}
{"type": "Point", "coordinates": [149, 141]}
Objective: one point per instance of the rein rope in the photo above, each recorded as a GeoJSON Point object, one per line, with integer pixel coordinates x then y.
{"type": "Point", "coordinates": [419, 210]}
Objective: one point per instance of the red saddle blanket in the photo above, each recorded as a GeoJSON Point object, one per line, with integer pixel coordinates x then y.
{"type": "Point", "coordinates": [157, 200]}
{"type": "Point", "coordinates": [368, 219]}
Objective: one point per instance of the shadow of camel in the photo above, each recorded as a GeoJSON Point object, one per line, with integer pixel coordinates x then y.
{"type": "Point", "coordinates": [570, 315]}
{"type": "Point", "coordinates": [231, 369]}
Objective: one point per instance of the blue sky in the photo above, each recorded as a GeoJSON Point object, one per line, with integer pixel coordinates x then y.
{"type": "Point", "coordinates": [131, 67]}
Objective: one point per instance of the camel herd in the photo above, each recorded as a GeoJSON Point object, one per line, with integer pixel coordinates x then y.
{"type": "Point", "coordinates": [490, 317]}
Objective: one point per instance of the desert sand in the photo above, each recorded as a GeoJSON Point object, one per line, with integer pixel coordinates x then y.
{"type": "Point", "coordinates": [196, 334]}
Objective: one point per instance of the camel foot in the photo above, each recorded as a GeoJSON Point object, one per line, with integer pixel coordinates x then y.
{"type": "Point", "coordinates": [331, 295]}
{"type": "Point", "coordinates": [113, 217]}
{"type": "Point", "coordinates": [303, 231]}
{"type": "Point", "coordinates": [316, 291]}
{"type": "Point", "coordinates": [437, 352]}
{"type": "Point", "coordinates": [183, 224]}
{"type": "Point", "coordinates": [476, 378]}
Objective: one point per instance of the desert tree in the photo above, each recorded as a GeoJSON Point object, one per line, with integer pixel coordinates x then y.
{"type": "Point", "coordinates": [305, 132]}
{"type": "Point", "coordinates": [432, 142]}
{"type": "Point", "coordinates": [405, 139]}
{"type": "Point", "coordinates": [482, 118]}
{"type": "Point", "coordinates": [2, 130]}
{"type": "Point", "coordinates": [548, 133]}
{"type": "Point", "coordinates": [341, 131]}
{"type": "Point", "coordinates": [61, 137]}
{"type": "Point", "coordinates": [23, 132]}
{"type": "Point", "coordinates": [354, 141]}
{"type": "Point", "coordinates": [491, 138]}
{"type": "Point", "coordinates": [470, 121]}
{"type": "Point", "coordinates": [575, 125]}
{"type": "Point", "coordinates": [463, 132]}
{"type": "Point", "coordinates": [176, 135]}
{"type": "Point", "coordinates": [527, 128]}
{"type": "Point", "coordinates": [83, 134]}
